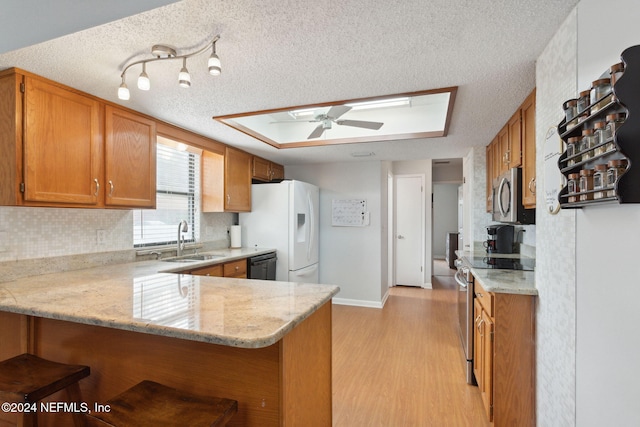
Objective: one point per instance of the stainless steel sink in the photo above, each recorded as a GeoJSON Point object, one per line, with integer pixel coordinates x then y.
{"type": "Point", "coordinates": [191, 258]}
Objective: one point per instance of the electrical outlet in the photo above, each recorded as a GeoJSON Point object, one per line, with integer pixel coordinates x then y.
{"type": "Point", "coordinates": [101, 237]}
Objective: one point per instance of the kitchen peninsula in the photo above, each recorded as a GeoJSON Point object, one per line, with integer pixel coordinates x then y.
{"type": "Point", "coordinates": [265, 344]}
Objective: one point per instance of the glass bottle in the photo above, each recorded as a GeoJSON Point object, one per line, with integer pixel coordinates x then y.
{"type": "Point", "coordinates": [600, 94]}
{"type": "Point", "coordinates": [616, 72]}
{"type": "Point", "coordinates": [600, 139]}
{"type": "Point", "coordinates": [586, 184]}
{"type": "Point", "coordinates": [613, 124]}
{"type": "Point", "coordinates": [587, 143]}
{"type": "Point", "coordinates": [570, 111]}
{"type": "Point", "coordinates": [572, 186]}
{"type": "Point", "coordinates": [584, 99]}
{"type": "Point", "coordinates": [600, 180]}
{"type": "Point", "coordinates": [572, 149]}
{"type": "Point", "coordinates": [615, 169]}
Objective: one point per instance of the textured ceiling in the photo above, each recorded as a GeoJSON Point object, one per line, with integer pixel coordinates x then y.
{"type": "Point", "coordinates": [289, 52]}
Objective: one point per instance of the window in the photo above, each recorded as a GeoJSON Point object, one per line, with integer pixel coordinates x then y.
{"type": "Point", "coordinates": [177, 187]}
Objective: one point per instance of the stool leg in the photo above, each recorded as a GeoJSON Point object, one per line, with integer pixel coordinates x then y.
{"type": "Point", "coordinates": [28, 419]}
{"type": "Point", "coordinates": [73, 391]}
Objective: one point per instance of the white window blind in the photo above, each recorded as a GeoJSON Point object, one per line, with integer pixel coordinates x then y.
{"type": "Point", "coordinates": [177, 184]}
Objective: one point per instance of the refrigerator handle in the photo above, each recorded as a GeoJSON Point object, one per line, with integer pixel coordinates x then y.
{"type": "Point", "coordinates": [305, 271]}
{"type": "Point", "coordinates": [312, 229]}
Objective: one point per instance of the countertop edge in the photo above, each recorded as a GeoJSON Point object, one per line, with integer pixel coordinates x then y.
{"type": "Point", "coordinates": [260, 342]}
{"type": "Point", "coordinates": [515, 282]}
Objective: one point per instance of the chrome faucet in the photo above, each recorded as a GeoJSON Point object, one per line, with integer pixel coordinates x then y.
{"type": "Point", "coordinates": [183, 227]}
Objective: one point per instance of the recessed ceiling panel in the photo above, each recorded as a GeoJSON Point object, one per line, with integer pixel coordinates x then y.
{"type": "Point", "coordinates": [424, 114]}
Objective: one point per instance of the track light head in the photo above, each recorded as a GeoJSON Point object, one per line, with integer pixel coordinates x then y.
{"type": "Point", "coordinates": [123, 91]}
{"type": "Point", "coordinates": [184, 79]}
{"type": "Point", "coordinates": [143, 80]}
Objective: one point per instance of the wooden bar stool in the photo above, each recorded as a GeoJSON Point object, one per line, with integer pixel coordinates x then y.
{"type": "Point", "coordinates": [29, 379]}
{"type": "Point", "coordinates": [149, 404]}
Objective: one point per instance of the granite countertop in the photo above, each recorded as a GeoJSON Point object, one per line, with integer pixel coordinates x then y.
{"type": "Point", "coordinates": [501, 281]}
{"type": "Point", "coordinates": [143, 297]}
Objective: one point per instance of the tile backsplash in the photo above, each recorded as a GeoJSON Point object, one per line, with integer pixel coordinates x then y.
{"type": "Point", "coordinates": [30, 233]}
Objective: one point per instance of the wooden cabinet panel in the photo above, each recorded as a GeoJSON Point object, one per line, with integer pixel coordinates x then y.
{"type": "Point", "coordinates": [237, 269]}
{"type": "Point", "coordinates": [504, 356]}
{"type": "Point", "coordinates": [490, 176]}
{"type": "Point", "coordinates": [277, 172]}
{"type": "Point", "coordinates": [529, 151]}
{"type": "Point", "coordinates": [62, 145]}
{"type": "Point", "coordinates": [514, 149]}
{"type": "Point", "coordinates": [265, 171]}
{"type": "Point", "coordinates": [503, 141]}
{"type": "Point", "coordinates": [211, 270]}
{"type": "Point", "coordinates": [130, 159]}
{"type": "Point", "coordinates": [237, 180]}
{"type": "Point", "coordinates": [261, 169]}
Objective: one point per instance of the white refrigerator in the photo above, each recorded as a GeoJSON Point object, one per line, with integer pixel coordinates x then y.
{"type": "Point", "coordinates": [285, 216]}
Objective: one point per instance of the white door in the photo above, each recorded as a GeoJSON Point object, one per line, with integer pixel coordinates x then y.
{"type": "Point", "coordinates": [409, 230]}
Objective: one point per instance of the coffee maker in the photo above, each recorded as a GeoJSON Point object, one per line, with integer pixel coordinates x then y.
{"type": "Point", "coordinates": [500, 239]}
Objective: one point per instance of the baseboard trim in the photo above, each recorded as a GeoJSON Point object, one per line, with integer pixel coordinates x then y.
{"type": "Point", "coordinates": [359, 302]}
{"type": "Point", "coordinates": [427, 285]}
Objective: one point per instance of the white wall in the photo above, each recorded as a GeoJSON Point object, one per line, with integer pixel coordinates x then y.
{"type": "Point", "coordinates": [445, 216]}
{"type": "Point", "coordinates": [350, 257]}
{"type": "Point", "coordinates": [555, 244]}
{"type": "Point", "coordinates": [608, 295]}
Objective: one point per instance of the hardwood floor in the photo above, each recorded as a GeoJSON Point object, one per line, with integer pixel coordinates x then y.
{"type": "Point", "coordinates": [403, 365]}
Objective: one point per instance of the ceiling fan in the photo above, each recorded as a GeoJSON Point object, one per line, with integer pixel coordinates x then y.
{"type": "Point", "coordinates": [332, 116]}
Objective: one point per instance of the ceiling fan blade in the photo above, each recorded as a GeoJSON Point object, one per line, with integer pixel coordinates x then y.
{"type": "Point", "coordinates": [337, 111]}
{"type": "Point", "coordinates": [360, 124]}
{"type": "Point", "coordinates": [316, 132]}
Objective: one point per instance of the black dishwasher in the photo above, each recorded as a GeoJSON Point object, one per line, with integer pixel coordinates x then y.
{"type": "Point", "coordinates": [263, 267]}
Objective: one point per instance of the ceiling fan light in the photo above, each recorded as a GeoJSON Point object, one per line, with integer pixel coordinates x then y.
{"type": "Point", "coordinates": [184, 79]}
{"type": "Point", "coordinates": [214, 65]}
{"type": "Point", "coordinates": [143, 80]}
{"type": "Point", "coordinates": [123, 91]}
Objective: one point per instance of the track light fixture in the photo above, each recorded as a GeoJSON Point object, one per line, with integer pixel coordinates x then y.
{"type": "Point", "coordinates": [165, 53]}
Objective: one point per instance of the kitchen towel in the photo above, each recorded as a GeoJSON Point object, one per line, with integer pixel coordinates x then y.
{"type": "Point", "coordinates": [235, 237]}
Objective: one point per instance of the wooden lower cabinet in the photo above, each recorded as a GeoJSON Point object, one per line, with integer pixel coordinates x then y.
{"type": "Point", "coordinates": [504, 356]}
{"type": "Point", "coordinates": [236, 269]}
{"type": "Point", "coordinates": [285, 384]}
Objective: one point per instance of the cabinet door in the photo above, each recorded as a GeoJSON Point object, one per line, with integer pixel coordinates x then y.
{"type": "Point", "coordinates": [487, 364]}
{"type": "Point", "coordinates": [212, 270]}
{"type": "Point", "coordinates": [130, 159]}
{"type": "Point", "coordinates": [277, 172]}
{"type": "Point", "coordinates": [237, 269]}
{"type": "Point", "coordinates": [478, 352]}
{"type": "Point", "coordinates": [503, 144]}
{"type": "Point", "coordinates": [237, 180]}
{"type": "Point", "coordinates": [529, 151]}
{"type": "Point", "coordinates": [489, 188]}
{"type": "Point", "coordinates": [261, 169]}
{"type": "Point", "coordinates": [62, 146]}
{"type": "Point", "coordinates": [514, 150]}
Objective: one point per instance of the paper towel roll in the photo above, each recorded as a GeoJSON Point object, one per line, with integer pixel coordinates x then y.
{"type": "Point", "coordinates": [236, 237]}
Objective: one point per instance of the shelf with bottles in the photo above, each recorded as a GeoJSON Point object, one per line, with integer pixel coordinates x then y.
{"type": "Point", "coordinates": [618, 106]}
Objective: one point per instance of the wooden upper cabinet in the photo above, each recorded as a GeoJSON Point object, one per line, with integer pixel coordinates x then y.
{"type": "Point", "coordinates": [237, 180]}
{"type": "Point", "coordinates": [130, 159]}
{"type": "Point", "coordinates": [277, 172]}
{"type": "Point", "coordinates": [261, 169]}
{"type": "Point", "coordinates": [503, 140]}
{"type": "Point", "coordinates": [490, 175]}
{"type": "Point", "coordinates": [62, 145]}
{"type": "Point", "coordinates": [529, 151]}
{"type": "Point", "coordinates": [226, 181]}
{"type": "Point", "coordinates": [514, 149]}
{"type": "Point", "coordinates": [265, 171]}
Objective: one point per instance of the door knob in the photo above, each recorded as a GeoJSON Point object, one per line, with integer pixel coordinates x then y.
{"type": "Point", "coordinates": [400, 236]}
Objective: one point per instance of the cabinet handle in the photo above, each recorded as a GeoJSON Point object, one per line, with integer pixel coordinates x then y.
{"type": "Point", "coordinates": [532, 183]}
{"type": "Point", "coordinates": [507, 156]}
{"type": "Point", "coordinates": [228, 198]}
{"type": "Point", "coordinates": [478, 294]}
{"type": "Point", "coordinates": [237, 268]}
{"type": "Point", "coordinates": [110, 188]}
{"type": "Point", "coordinates": [97, 186]}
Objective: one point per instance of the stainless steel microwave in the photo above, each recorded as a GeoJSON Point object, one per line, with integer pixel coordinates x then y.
{"type": "Point", "coordinates": [507, 199]}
